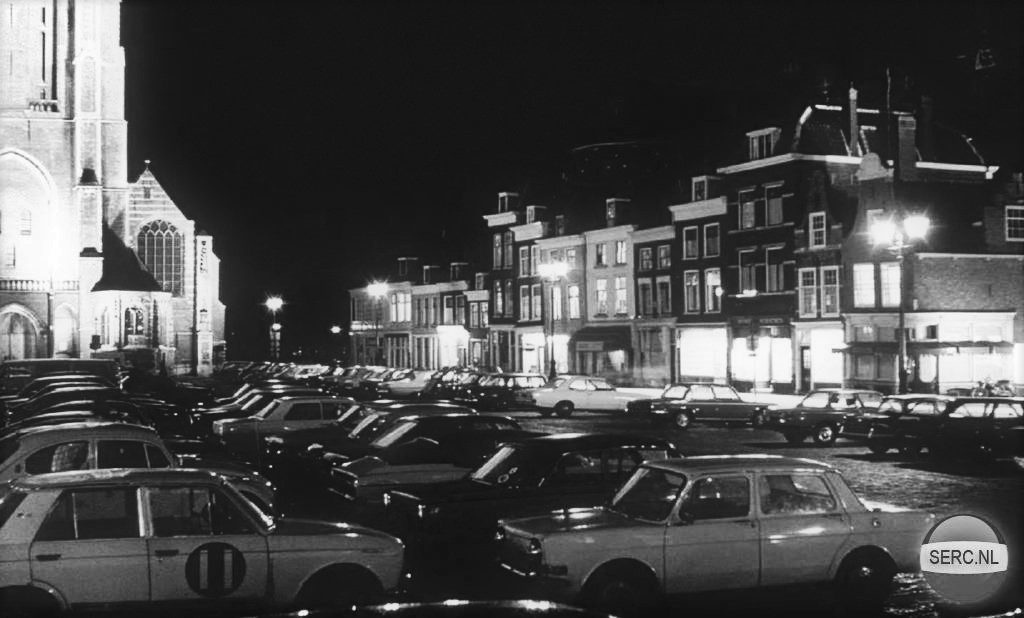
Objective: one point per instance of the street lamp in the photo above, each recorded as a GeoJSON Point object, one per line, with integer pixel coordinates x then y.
{"type": "Point", "coordinates": [551, 272]}
{"type": "Point", "coordinates": [377, 290]}
{"type": "Point", "coordinates": [898, 236]}
{"type": "Point", "coordinates": [274, 304]}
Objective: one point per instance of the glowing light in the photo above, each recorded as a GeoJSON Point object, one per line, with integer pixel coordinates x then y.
{"type": "Point", "coordinates": [553, 270]}
{"type": "Point", "coordinates": [391, 607]}
{"type": "Point", "coordinates": [335, 329]}
{"type": "Point", "coordinates": [377, 289]}
{"type": "Point", "coordinates": [454, 602]}
{"type": "Point", "coordinates": [274, 303]}
{"type": "Point", "coordinates": [276, 327]}
{"type": "Point", "coordinates": [883, 231]}
{"type": "Point", "coordinates": [916, 226]}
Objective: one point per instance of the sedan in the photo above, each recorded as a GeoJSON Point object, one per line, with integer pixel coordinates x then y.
{"type": "Point", "coordinates": [685, 404]}
{"type": "Point", "coordinates": [820, 414]}
{"type": "Point", "coordinates": [987, 427]}
{"type": "Point", "coordinates": [875, 427]}
{"type": "Point", "coordinates": [568, 393]}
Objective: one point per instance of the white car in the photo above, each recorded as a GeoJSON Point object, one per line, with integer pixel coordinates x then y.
{"type": "Point", "coordinates": [716, 523]}
{"type": "Point", "coordinates": [404, 384]}
{"type": "Point", "coordinates": [567, 393]}
{"type": "Point", "coordinates": [128, 538]}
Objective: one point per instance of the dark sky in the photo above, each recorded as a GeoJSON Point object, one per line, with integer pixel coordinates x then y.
{"type": "Point", "coordinates": [317, 141]}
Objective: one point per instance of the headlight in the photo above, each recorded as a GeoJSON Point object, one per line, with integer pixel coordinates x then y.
{"type": "Point", "coordinates": [534, 548]}
{"type": "Point", "coordinates": [499, 535]}
{"type": "Point", "coordinates": [386, 498]}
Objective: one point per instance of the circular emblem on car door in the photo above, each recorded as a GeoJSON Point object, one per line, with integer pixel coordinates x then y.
{"type": "Point", "coordinates": [215, 569]}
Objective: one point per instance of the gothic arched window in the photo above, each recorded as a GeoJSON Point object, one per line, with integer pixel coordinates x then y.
{"type": "Point", "coordinates": [162, 251]}
{"type": "Point", "coordinates": [134, 324]}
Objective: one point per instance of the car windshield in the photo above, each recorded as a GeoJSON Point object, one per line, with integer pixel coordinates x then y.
{"type": "Point", "coordinates": [817, 399]}
{"type": "Point", "coordinates": [529, 381]}
{"type": "Point", "coordinates": [256, 506]}
{"type": "Point", "coordinates": [369, 427]}
{"type": "Point", "coordinates": [601, 385]}
{"type": "Point", "coordinates": [8, 447]}
{"type": "Point", "coordinates": [268, 409]}
{"type": "Point", "coordinates": [648, 495]}
{"type": "Point", "coordinates": [674, 392]}
{"type": "Point", "coordinates": [392, 435]}
{"type": "Point", "coordinates": [509, 466]}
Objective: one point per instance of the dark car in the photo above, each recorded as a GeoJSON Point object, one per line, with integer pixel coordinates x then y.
{"type": "Point", "coordinates": [249, 404]}
{"type": "Point", "coordinates": [989, 427]}
{"type": "Point", "coordinates": [500, 391]}
{"type": "Point", "coordinates": [687, 403]}
{"type": "Point", "coordinates": [420, 450]}
{"type": "Point", "coordinates": [874, 428]}
{"type": "Point", "coordinates": [456, 520]}
{"type": "Point", "coordinates": [305, 457]}
{"type": "Point", "coordinates": [820, 414]}
{"type": "Point", "coordinates": [447, 382]}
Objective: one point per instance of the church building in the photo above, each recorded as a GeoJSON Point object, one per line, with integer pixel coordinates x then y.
{"type": "Point", "coordinates": [91, 265]}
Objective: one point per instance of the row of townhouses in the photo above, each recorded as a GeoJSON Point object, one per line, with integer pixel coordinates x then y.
{"type": "Point", "coordinates": [838, 246]}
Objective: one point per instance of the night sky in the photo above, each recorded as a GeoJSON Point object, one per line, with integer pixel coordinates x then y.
{"type": "Point", "coordinates": [317, 141]}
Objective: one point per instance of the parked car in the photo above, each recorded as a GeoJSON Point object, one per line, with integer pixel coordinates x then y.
{"type": "Point", "coordinates": [251, 403]}
{"type": "Point", "coordinates": [404, 384]}
{"type": "Point", "coordinates": [445, 383]}
{"type": "Point", "coordinates": [874, 428]}
{"type": "Point", "coordinates": [99, 445]}
{"type": "Point", "coordinates": [132, 538]}
{"type": "Point", "coordinates": [712, 523]}
{"type": "Point", "coordinates": [420, 450]}
{"type": "Point", "coordinates": [989, 427]}
{"type": "Point", "coordinates": [461, 608]}
{"type": "Point", "coordinates": [501, 391]}
{"type": "Point", "coordinates": [687, 403]}
{"type": "Point", "coordinates": [821, 413]}
{"type": "Point", "coordinates": [15, 374]}
{"type": "Point", "coordinates": [48, 382]}
{"type": "Point", "coordinates": [568, 393]}
{"type": "Point", "coordinates": [455, 521]}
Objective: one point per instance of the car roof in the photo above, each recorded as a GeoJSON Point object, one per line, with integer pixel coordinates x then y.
{"type": "Point", "coordinates": [915, 396]}
{"type": "Point", "coordinates": [697, 384]}
{"type": "Point", "coordinates": [576, 441]}
{"type": "Point", "coordinates": [115, 476]}
{"type": "Point", "coordinates": [721, 463]}
{"type": "Point", "coordinates": [85, 430]}
{"type": "Point", "coordinates": [844, 390]}
{"type": "Point", "coordinates": [438, 418]}
{"type": "Point", "coordinates": [992, 399]}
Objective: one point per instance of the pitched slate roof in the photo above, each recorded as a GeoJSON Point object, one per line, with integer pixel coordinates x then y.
{"type": "Point", "coordinates": [122, 269]}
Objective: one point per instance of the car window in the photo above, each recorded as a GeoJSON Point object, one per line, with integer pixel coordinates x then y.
{"type": "Point", "coordinates": [304, 412]}
{"type": "Point", "coordinates": [83, 514]}
{"type": "Point", "coordinates": [622, 462]}
{"type": "Point", "coordinates": [121, 454]}
{"type": "Point", "coordinates": [601, 385]}
{"type": "Point", "coordinates": [969, 409]}
{"type": "Point", "coordinates": [649, 494]}
{"type": "Point", "coordinates": [718, 497]}
{"type": "Point", "coordinates": [578, 385]}
{"type": "Point", "coordinates": [700, 392]}
{"type": "Point", "coordinates": [576, 467]}
{"type": "Point", "coordinates": [795, 494]}
{"type": "Point", "coordinates": [9, 502]}
{"type": "Point", "coordinates": [332, 409]}
{"type": "Point", "coordinates": [392, 435]}
{"type": "Point", "coordinates": [870, 400]}
{"type": "Point", "coordinates": [157, 458]}
{"type": "Point", "coordinates": [843, 401]}
{"type": "Point", "coordinates": [891, 405]}
{"type": "Point", "coordinates": [725, 393]}
{"type": "Point", "coordinates": [818, 399]}
{"type": "Point", "coordinates": [58, 458]}
{"type": "Point", "coordinates": [194, 511]}
{"type": "Point", "coordinates": [674, 392]}
{"type": "Point", "coordinates": [1007, 410]}
{"type": "Point", "coordinates": [922, 408]}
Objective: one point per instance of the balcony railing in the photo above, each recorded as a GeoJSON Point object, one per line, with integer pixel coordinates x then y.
{"type": "Point", "coordinates": [37, 285]}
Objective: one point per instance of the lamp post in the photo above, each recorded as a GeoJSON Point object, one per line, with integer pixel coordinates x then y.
{"type": "Point", "coordinates": [897, 235]}
{"type": "Point", "coordinates": [377, 290]}
{"type": "Point", "coordinates": [552, 272]}
{"type": "Point", "coordinates": [274, 304]}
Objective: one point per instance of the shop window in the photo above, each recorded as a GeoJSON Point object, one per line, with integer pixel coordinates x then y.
{"type": "Point", "coordinates": [864, 366]}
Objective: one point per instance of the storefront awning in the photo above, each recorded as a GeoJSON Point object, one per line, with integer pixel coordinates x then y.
{"type": "Point", "coordinates": [602, 338]}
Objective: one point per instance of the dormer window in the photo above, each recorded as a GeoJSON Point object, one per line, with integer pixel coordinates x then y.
{"type": "Point", "coordinates": [761, 143]}
{"type": "Point", "coordinates": [506, 201]}
{"type": "Point", "coordinates": [700, 188]}
{"type": "Point", "coordinates": [481, 281]}
{"type": "Point", "coordinates": [426, 274]}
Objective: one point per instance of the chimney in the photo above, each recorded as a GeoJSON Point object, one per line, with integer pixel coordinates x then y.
{"type": "Point", "coordinates": [508, 202]}
{"type": "Point", "coordinates": [614, 210]}
{"type": "Point", "coordinates": [926, 137]}
{"type": "Point", "coordinates": [906, 156]}
{"type": "Point", "coordinates": [854, 143]}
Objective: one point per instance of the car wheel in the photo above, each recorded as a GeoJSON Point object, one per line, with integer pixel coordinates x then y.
{"type": "Point", "coordinates": [794, 437]}
{"type": "Point", "coordinates": [340, 587]}
{"type": "Point", "coordinates": [910, 449]}
{"type": "Point", "coordinates": [564, 409]}
{"type": "Point", "coordinates": [760, 419]}
{"type": "Point", "coordinates": [878, 449]}
{"type": "Point", "coordinates": [620, 592]}
{"type": "Point", "coordinates": [825, 434]}
{"type": "Point", "coordinates": [865, 582]}
{"type": "Point", "coordinates": [683, 420]}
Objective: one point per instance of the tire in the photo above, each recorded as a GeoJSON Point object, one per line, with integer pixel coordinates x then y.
{"type": "Point", "coordinates": [825, 434]}
{"type": "Point", "coordinates": [760, 419]}
{"type": "Point", "coordinates": [878, 449]}
{"type": "Point", "coordinates": [563, 409]}
{"type": "Point", "coordinates": [338, 587]}
{"type": "Point", "coordinates": [865, 582]}
{"type": "Point", "coordinates": [28, 602]}
{"type": "Point", "coordinates": [794, 437]}
{"type": "Point", "coordinates": [682, 420]}
{"type": "Point", "coordinates": [621, 592]}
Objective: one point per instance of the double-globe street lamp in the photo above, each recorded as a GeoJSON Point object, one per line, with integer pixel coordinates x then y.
{"type": "Point", "coordinates": [897, 235]}
{"type": "Point", "coordinates": [552, 272]}
{"type": "Point", "coordinates": [274, 304]}
{"type": "Point", "coordinates": [377, 290]}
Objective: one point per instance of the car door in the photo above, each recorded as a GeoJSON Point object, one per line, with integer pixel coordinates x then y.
{"type": "Point", "coordinates": [203, 548]}
{"type": "Point", "coordinates": [700, 401]}
{"type": "Point", "coordinates": [712, 543]}
{"type": "Point", "coordinates": [578, 392]}
{"type": "Point", "coordinates": [803, 526]}
{"type": "Point", "coordinates": [963, 427]}
{"type": "Point", "coordinates": [728, 406]}
{"type": "Point", "coordinates": [90, 549]}
{"type": "Point", "coordinates": [601, 395]}
{"type": "Point", "coordinates": [999, 434]}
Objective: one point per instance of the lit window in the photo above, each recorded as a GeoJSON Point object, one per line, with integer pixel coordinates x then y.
{"type": "Point", "coordinates": [496, 257]}
{"type": "Point", "coordinates": [534, 258]}
{"type": "Point", "coordinates": [26, 223]}
{"type": "Point", "coordinates": [134, 324]}
{"type": "Point", "coordinates": [664, 296]}
{"type": "Point", "coordinates": [602, 297]}
{"type": "Point", "coordinates": [664, 256]}
{"type": "Point", "coordinates": [691, 251]}
{"type": "Point", "coordinates": [700, 189]}
{"type": "Point", "coordinates": [646, 260]}
{"type": "Point", "coordinates": [161, 248]}
{"type": "Point", "coordinates": [747, 215]}
{"type": "Point", "coordinates": [499, 299]}
{"type": "Point", "coordinates": [713, 290]}
{"type": "Point", "coordinates": [830, 290]}
{"type": "Point", "coordinates": [537, 299]}
{"type": "Point", "coordinates": [774, 197]}
{"type": "Point", "coordinates": [556, 302]}
{"type": "Point", "coordinates": [449, 310]}
{"type": "Point", "coordinates": [865, 366]}
{"type": "Point", "coordinates": [889, 277]}
{"type": "Point", "coordinates": [570, 257]}
{"type": "Point", "coordinates": [711, 240]}
{"type": "Point", "coordinates": [863, 285]}
{"type": "Point", "coordinates": [508, 250]}
{"type": "Point", "coordinates": [620, 252]}
{"type": "Point", "coordinates": [524, 261]}
{"type": "Point", "coordinates": [816, 234]}
{"type": "Point", "coordinates": [808, 292]}
{"type": "Point", "coordinates": [748, 271]}
{"type": "Point", "coordinates": [691, 291]}
{"type": "Point", "coordinates": [509, 303]}
{"type": "Point", "coordinates": [1015, 223]}
{"type": "Point", "coordinates": [646, 297]}
{"type": "Point", "coordinates": [773, 278]}
{"type": "Point", "coordinates": [621, 305]}
{"type": "Point", "coordinates": [524, 302]}
{"type": "Point", "coordinates": [601, 258]}
{"type": "Point", "coordinates": [574, 302]}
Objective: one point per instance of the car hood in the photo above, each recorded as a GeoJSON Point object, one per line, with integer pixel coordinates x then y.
{"type": "Point", "coordinates": [289, 527]}
{"type": "Point", "coordinates": [571, 520]}
{"type": "Point", "coordinates": [462, 490]}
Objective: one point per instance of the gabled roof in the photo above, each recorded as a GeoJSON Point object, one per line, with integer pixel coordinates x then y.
{"type": "Point", "coordinates": [122, 269]}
